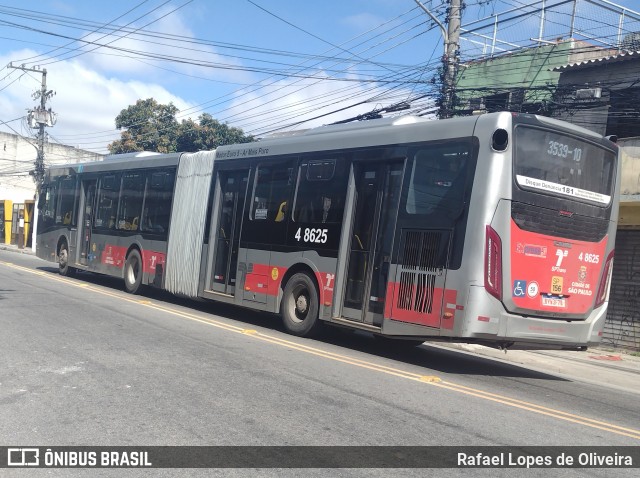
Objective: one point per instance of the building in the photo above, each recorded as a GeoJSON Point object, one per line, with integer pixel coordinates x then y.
{"type": "Point", "coordinates": [597, 88]}
{"type": "Point", "coordinates": [622, 328]}
{"type": "Point", "coordinates": [602, 94]}
{"type": "Point", "coordinates": [17, 188]}
{"type": "Point", "coordinates": [523, 81]}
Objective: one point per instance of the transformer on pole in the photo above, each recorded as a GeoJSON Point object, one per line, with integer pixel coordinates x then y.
{"type": "Point", "coordinates": [39, 118]}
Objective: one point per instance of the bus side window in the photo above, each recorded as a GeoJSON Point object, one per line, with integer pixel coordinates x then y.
{"type": "Point", "coordinates": [271, 192]}
{"type": "Point", "coordinates": [108, 193]}
{"type": "Point", "coordinates": [65, 213]}
{"type": "Point", "coordinates": [47, 203]}
{"type": "Point", "coordinates": [321, 187]}
{"type": "Point", "coordinates": [157, 202]}
{"type": "Point", "coordinates": [437, 179]}
{"type": "Point", "coordinates": [132, 193]}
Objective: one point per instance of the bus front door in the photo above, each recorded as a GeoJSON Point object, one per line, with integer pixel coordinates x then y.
{"type": "Point", "coordinates": [231, 187]}
{"type": "Point", "coordinates": [377, 187]}
{"type": "Point", "coordinates": [86, 221]}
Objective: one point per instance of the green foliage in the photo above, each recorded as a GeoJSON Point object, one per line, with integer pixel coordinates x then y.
{"type": "Point", "coordinates": [150, 126]}
{"type": "Point", "coordinates": [207, 134]}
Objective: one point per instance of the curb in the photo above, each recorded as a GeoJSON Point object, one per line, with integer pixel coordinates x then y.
{"type": "Point", "coordinates": [12, 248]}
{"type": "Point", "coordinates": [621, 374]}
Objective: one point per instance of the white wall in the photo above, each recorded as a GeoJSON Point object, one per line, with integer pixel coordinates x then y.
{"type": "Point", "coordinates": [17, 156]}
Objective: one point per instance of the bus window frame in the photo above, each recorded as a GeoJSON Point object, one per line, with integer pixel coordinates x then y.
{"type": "Point", "coordinates": [337, 194]}
{"type": "Point", "coordinates": [466, 182]}
{"type": "Point", "coordinates": [122, 222]}
{"type": "Point", "coordinates": [153, 199]}
{"type": "Point", "coordinates": [99, 196]}
{"type": "Point", "coordinates": [49, 188]}
{"type": "Point", "coordinates": [291, 164]}
{"type": "Point", "coordinates": [60, 217]}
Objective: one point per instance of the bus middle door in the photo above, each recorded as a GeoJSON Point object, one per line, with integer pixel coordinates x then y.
{"type": "Point", "coordinates": [229, 197]}
{"type": "Point", "coordinates": [87, 198]}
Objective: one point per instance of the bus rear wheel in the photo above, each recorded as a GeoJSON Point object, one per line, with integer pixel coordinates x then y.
{"type": "Point", "coordinates": [133, 272]}
{"type": "Point", "coordinates": [63, 261]}
{"type": "Point", "coordinates": [300, 306]}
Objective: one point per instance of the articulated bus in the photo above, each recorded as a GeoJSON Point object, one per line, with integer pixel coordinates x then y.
{"type": "Point", "coordinates": [496, 229]}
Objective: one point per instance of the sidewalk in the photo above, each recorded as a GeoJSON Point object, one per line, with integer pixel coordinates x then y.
{"type": "Point", "coordinates": [14, 248]}
{"type": "Point", "coordinates": [616, 369]}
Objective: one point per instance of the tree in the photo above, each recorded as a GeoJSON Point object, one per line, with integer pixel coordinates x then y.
{"type": "Point", "coordinates": [207, 134]}
{"type": "Point", "coordinates": [151, 126]}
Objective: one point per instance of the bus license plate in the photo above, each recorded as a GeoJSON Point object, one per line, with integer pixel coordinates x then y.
{"type": "Point", "coordinates": [553, 302]}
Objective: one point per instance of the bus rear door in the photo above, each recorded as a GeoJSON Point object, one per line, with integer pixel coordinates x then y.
{"type": "Point", "coordinates": [378, 187]}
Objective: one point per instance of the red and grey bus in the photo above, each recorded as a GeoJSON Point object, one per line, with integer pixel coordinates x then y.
{"type": "Point", "coordinates": [496, 229]}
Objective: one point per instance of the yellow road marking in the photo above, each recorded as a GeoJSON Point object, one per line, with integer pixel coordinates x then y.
{"type": "Point", "coordinates": [428, 379]}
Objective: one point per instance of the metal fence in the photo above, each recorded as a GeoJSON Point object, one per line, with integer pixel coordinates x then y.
{"type": "Point", "coordinates": [600, 22]}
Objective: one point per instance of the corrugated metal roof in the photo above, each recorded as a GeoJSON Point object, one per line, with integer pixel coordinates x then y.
{"type": "Point", "coordinates": [622, 56]}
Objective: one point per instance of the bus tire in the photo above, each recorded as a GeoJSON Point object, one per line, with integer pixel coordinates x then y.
{"type": "Point", "coordinates": [63, 261]}
{"type": "Point", "coordinates": [133, 272]}
{"type": "Point", "coordinates": [300, 306]}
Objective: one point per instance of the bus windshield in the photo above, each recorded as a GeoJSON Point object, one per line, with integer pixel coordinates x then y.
{"type": "Point", "coordinates": [562, 164]}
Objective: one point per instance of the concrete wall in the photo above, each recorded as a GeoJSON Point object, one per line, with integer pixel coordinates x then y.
{"type": "Point", "coordinates": [615, 74]}
{"type": "Point", "coordinates": [529, 69]}
{"type": "Point", "coordinates": [630, 149]}
{"type": "Point", "coordinates": [17, 156]}
{"type": "Point", "coordinates": [630, 187]}
{"type": "Point", "coordinates": [614, 77]}
{"type": "Point", "coordinates": [622, 327]}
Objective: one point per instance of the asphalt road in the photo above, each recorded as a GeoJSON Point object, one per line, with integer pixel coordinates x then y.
{"type": "Point", "coordinates": [84, 363]}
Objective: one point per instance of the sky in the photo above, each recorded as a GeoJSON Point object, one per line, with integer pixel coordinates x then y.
{"type": "Point", "coordinates": [262, 65]}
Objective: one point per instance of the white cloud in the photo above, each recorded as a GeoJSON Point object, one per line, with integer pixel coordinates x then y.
{"type": "Point", "coordinates": [86, 101]}
{"type": "Point", "coordinates": [93, 88]}
{"type": "Point", "coordinates": [119, 60]}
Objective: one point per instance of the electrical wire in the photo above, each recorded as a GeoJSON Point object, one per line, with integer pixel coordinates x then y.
{"type": "Point", "coordinates": [278, 118]}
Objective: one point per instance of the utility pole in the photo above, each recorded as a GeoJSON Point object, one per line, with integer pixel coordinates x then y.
{"type": "Point", "coordinates": [453, 47]}
{"type": "Point", "coordinates": [39, 118]}
{"type": "Point", "coordinates": [451, 36]}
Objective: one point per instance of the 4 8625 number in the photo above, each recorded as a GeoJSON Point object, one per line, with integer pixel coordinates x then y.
{"type": "Point", "coordinates": [309, 234]}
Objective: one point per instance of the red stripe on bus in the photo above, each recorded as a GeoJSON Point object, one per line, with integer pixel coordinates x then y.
{"type": "Point", "coordinates": [151, 260]}
{"type": "Point", "coordinates": [116, 256]}
{"type": "Point", "coordinates": [266, 279]}
{"type": "Point", "coordinates": [113, 255]}
{"type": "Point", "coordinates": [408, 309]}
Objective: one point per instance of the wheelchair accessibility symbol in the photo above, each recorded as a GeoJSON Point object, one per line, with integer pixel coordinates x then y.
{"type": "Point", "coordinates": [519, 288]}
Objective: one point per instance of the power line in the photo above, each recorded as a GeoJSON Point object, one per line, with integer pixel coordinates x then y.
{"type": "Point", "coordinates": [63, 47]}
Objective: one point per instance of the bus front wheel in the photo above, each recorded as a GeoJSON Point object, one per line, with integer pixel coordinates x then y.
{"type": "Point", "coordinates": [133, 272]}
{"type": "Point", "coordinates": [300, 306]}
{"type": "Point", "coordinates": [63, 261]}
